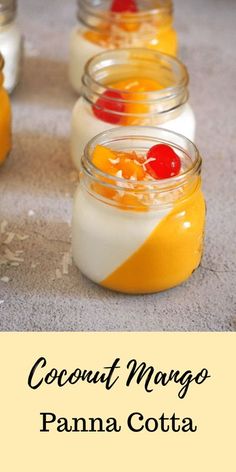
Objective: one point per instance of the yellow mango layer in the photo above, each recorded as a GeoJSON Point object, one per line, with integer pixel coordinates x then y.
{"type": "Point", "coordinates": [169, 255]}
{"type": "Point", "coordinates": [5, 125]}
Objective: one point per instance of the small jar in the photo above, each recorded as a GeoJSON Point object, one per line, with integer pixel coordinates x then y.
{"type": "Point", "coordinates": [11, 43]}
{"type": "Point", "coordinates": [5, 119]}
{"type": "Point", "coordinates": [99, 29]}
{"type": "Point", "coordinates": [146, 248]}
{"type": "Point", "coordinates": [167, 107]}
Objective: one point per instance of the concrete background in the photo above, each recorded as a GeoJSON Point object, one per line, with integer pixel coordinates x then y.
{"type": "Point", "coordinates": [36, 184]}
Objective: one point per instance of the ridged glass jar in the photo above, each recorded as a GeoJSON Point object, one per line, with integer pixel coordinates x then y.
{"type": "Point", "coordinates": [99, 29]}
{"type": "Point", "coordinates": [139, 236]}
{"type": "Point", "coordinates": [167, 107]}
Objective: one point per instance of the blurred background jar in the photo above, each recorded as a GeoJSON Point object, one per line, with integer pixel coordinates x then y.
{"type": "Point", "coordinates": [100, 28]}
{"type": "Point", "coordinates": [5, 119]}
{"type": "Point", "coordinates": [11, 43]}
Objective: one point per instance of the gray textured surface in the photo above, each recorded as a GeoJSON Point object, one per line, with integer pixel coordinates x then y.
{"type": "Point", "coordinates": [37, 177]}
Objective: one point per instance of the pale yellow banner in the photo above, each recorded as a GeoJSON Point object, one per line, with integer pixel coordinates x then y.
{"type": "Point", "coordinates": [186, 425]}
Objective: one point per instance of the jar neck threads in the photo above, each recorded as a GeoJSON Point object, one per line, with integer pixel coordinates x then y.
{"type": "Point", "coordinates": [153, 193]}
{"type": "Point", "coordinates": [118, 65]}
{"type": "Point", "coordinates": [96, 15]}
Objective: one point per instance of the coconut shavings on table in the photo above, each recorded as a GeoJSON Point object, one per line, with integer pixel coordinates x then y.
{"type": "Point", "coordinates": [13, 248]}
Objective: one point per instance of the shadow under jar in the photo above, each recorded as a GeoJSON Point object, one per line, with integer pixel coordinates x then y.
{"type": "Point", "coordinates": [137, 236]}
{"type": "Point", "coordinates": [153, 91]}
{"type": "Point", "coordinates": [5, 118]}
{"type": "Point", "coordinates": [100, 29]}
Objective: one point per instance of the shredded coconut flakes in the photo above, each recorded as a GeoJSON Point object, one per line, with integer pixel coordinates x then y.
{"type": "Point", "coordinates": [22, 237]}
{"type": "Point", "coordinates": [114, 161]}
{"type": "Point", "coordinates": [3, 226]}
{"type": "Point", "coordinates": [9, 239]}
{"type": "Point", "coordinates": [5, 279]}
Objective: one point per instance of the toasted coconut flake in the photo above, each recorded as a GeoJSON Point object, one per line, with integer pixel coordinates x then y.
{"type": "Point", "coordinates": [114, 161]}
{"type": "Point", "coordinates": [10, 238]}
{"type": "Point", "coordinates": [3, 261]}
{"type": "Point", "coordinates": [65, 263]}
{"type": "Point", "coordinates": [11, 257]}
{"type": "Point", "coordinates": [15, 264]}
{"type": "Point", "coordinates": [151, 159]}
{"type": "Point", "coordinates": [34, 265]}
{"type": "Point", "coordinates": [58, 274]}
{"type": "Point", "coordinates": [119, 174]}
{"type": "Point", "coordinates": [3, 226]}
{"type": "Point", "coordinates": [138, 163]}
{"type": "Point", "coordinates": [74, 176]}
{"type": "Point", "coordinates": [22, 237]}
{"type": "Point", "coordinates": [5, 279]}
{"type": "Point", "coordinates": [31, 213]}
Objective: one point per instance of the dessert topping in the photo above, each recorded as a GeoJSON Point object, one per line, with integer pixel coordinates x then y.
{"type": "Point", "coordinates": [110, 100]}
{"type": "Point", "coordinates": [121, 6]}
{"type": "Point", "coordinates": [163, 162]}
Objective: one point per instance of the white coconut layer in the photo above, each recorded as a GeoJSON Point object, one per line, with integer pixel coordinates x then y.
{"type": "Point", "coordinates": [85, 126]}
{"type": "Point", "coordinates": [11, 46]}
{"type": "Point", "coordinates": [81, 51]}
{"type": "Point", "coordinates": [104, 237]}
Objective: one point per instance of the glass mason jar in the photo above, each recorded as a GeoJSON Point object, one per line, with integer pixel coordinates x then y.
{"type": "Point", "coordinates": [100, 29]}
{"type": "Point", "coordinates": [5, 119]}
{"type": "Point", "coordinates": [153, 240]}
{"type": "Point", "coordinates": [11, 43]}
{"type": "Point", "coordinates": [167, 107]}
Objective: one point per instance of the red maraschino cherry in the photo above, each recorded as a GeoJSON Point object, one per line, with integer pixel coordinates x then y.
{"type": "Point", "coordinates": [108, 102]}
{"type": "Point", "coordinates": [166, 163]}
{"type": "Point", "coordinates": [122, 6]}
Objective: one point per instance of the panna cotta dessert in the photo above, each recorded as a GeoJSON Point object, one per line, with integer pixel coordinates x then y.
{"type": "Point", "coordinates": [116, 24]}
{"type": "Point", "coordinates": [5, 118]}
{"type": "Point", "coordinates": [139, 212]}
{"type": "Point", "coordinates": [130, 87]}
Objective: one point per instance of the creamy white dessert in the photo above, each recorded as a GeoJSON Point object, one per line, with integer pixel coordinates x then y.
{"type": "Point", "coordinates": [103, 241]}
{"type": "Point", "coordinates": [80, 52]}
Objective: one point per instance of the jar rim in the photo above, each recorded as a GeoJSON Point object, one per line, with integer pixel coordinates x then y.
{"type": "Point", "coordinates": [87, 7]}
{"type": "Point", "coordinates": [183, 82]}
{"type": "Point", "coordinates": [168, 98]}
{"type": "Point", "coordinates": [141, 132]}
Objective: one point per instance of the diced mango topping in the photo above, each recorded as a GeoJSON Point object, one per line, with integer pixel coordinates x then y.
{"type": "Point", "coordinates": [126, 165]}
{"type": "Point", "coordinates": [103, 158]}
{"type": "Point", "coordinates": [121, 164]}
{"type": "Point", "coordinates": [137, 85]}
